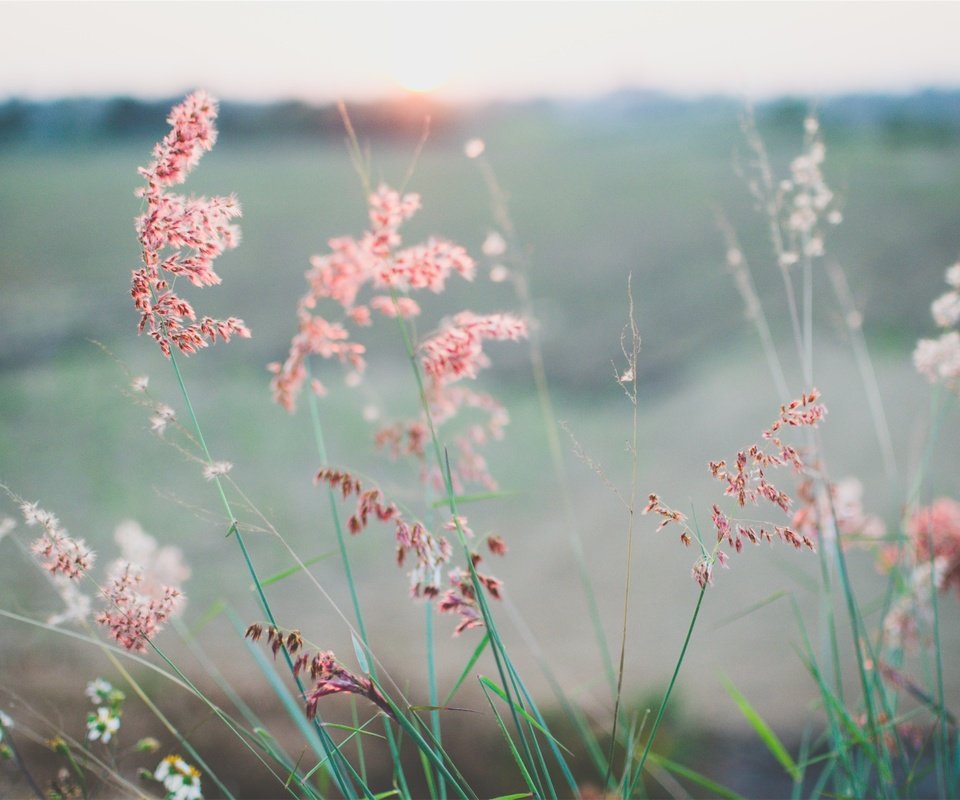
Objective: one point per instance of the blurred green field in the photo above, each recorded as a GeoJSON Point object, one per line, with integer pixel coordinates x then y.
{"type": "Point", "coordinates": [592, 203]}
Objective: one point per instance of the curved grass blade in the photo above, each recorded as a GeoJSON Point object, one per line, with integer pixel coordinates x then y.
{"type": "Point", "coordinates": [484, 684]}
{"type": "Point", "coordinates": [715, 789]}
{"type": "Point", "coordinates": [472, 498]}
{"type": "Point", "coordinates": [522, 712]}
{"type": "Point", "coordinates": [763, 730]}
{"type": "Point", "coordinates": [466, 670]}
{"type": "Point", "coordinates": [286, 573]}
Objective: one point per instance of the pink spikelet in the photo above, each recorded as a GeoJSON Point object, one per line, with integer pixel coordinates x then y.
{"type": "Point", "coordinates": [332, 678]}
{"type": "Point", "coordinates": [457, 351]}
{"type": "Point", "coordinates": [134, 618]}
{"type": "Point", "coordinates": [182, 235]}
{"type": "Point", "coordinates": [59, 553]}
{"type": "Point", "coordinates": [747, 483]}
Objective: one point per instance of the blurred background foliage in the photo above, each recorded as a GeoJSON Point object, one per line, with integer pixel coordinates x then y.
{"type": "Point", "coordinates": [627, 184]}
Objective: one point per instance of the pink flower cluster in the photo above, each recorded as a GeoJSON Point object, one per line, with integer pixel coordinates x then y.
{"type": "Point", "coordinates": [457, 350]}
{"type": "Point", "coordinates": [329, 675]}
{"type": "Point", "coordinates": [747, 483]}
{"type": "Point", "coordinates": [938, 360]}
{"type": "Point", "coordinates": [377, 261]}
{"type": "Point", "coordinates": [429, 553]}
{"type": "Point", "coordinates": [60, 554]}
{"type": "Point", "coordinates": [182, 235]}
{"type": "Point", "coordinates": [132, 616]}
{"type": "Point", "coordinates": [374, 260]}
{"type": "Point", "coordinates": [934, 532]}
{"type": "Point", "coordinates": [818, 514]}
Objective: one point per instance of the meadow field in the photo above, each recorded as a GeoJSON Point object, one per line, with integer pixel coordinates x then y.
{"type": "Point", "coordinates": [594, 199]}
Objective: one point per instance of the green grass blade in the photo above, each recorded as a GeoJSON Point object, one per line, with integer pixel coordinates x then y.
{"type": "Point", "coordinates": [472, 498]}
{"type": "Point", "coordinates": [286, 573]}
{"type": "Point", "coordinates": [521, 711]}
{"type": "Point", "coordinates": [214, 611]}
{"type": "Point", "coordinates": [470, 664]}
{"type": "Point", "coordinates": [715, 789]}
{"type": "Point", "coordinates": [484, 685]}
{"type": "Point", "coordinates": [763, 730]}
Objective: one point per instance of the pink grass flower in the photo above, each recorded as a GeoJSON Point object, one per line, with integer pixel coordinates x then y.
{"type": "Point", "coordinates": [181, 236]}
{"type": "Point", "coordinates": [58, 552]}
{"type": "Point", "coordinates": [134, 617]}
{"type": "Point", "coordinates": [332, 678]}
{"type": "Point", "coordinates": [747, 482]}
{"type": "Point", "coordinates": [934, 532]}
{"type": "Point", "coordinates": [456, 351]}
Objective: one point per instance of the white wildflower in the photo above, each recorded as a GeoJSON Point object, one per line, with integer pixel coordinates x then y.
{"type": "Point", "coordinates": [102, 725]}
{"type": "Point", "coordinates": [98, 691]}
{"type": "Point", "coordinates": [181, 780]}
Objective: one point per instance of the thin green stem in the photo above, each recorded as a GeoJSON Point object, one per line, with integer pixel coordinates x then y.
{"type": "Point", "coordinates": [432, 688]}
{"type": "Point", "coordinates": [348, 572]}
{"type": "Point", "coordinates": [548, 414]}
{"type": "Point", "coordinates": [638, 772]}
{"type": "Point", "coordinates": [335, 764]}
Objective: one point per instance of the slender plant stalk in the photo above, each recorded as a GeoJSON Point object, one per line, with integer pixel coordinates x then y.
{"type": "Point", "coordinates": [548, 414]}
{"type": "Point", "coordinates": [638, 772]}
{"type": "Point", "coordinates": [336, 764]}
{"type": "Point", "coordinates": [138, 690]}
{"type": "Point", "coordinates": [631, 393]}
{"type": "Point", "coordinates": [348, 572]}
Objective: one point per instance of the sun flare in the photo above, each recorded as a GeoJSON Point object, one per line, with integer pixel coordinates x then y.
{"type": "Point", "coordinates": [420, 74]}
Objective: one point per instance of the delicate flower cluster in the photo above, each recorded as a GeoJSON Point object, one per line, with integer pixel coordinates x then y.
{"type": "Point", "coordinates": [462, 598]}
{"type": "Point", "coordinates": [132, 616]}
{"type": "Point", "coordinates": [59, 553]}
{"type": "Point", "coordinates": [429, 553]}
{"type": "Point", "coordinates": [456, 351]}
{"type": "Point", "coordinates": [142, 591]}
{"type": "Point", "coordinates": [938, 360]}
{"type": "Point", "coordinates": [377, 260]}
{"type": "Point", "coordinates": [820, 515]}
{"type": "Point", "coordinates": [180, 779]}
{"type": "Point", "coordinates": [373, 260]}
{"type": "Point", "coordinates": [159, 567]}
{"type": "Point", "coordinates": [328, 675]}
{"type": "Point", "coordinates": [747, 483]}
{"type": "Point", "coordinates": [806, 200]}
{"type": "Point", "coordinates": [182, 235]}
{"type": "Point", "coordinates": [103, 724]}
{"type": "Point", "coordinates": [934, 533]}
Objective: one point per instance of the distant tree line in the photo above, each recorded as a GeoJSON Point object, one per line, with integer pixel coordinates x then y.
{"type": "Point", "coordinates": [927, 117]}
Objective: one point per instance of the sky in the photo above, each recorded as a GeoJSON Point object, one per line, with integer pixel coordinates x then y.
{"type": "Point", "coordinates": [474, 51]}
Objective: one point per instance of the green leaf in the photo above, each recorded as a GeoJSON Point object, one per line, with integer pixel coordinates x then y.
{"type": "Point", "coordinates": [513, 796]}
{"type": "Point", "coordinates": [211, 614]}
{"type": "Point", "coordinates": [466, 670]}
{"type": "Point", "coordinates": [715, 789]}
{"type": "Point", "coordinates": [286, 573]}
{"type": "Point", "coordinates": [513, 748]}
{"type": "Point", "coordinates": [471, 498]}
{"type": "Point", "coordinates": [443, 708]}
{"type": "Point", "coordinates": [764, 731]}
{"type": "Point", "coordinates": [361, 655]}
{"type": "Point", "coordinates": [521, 711]}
